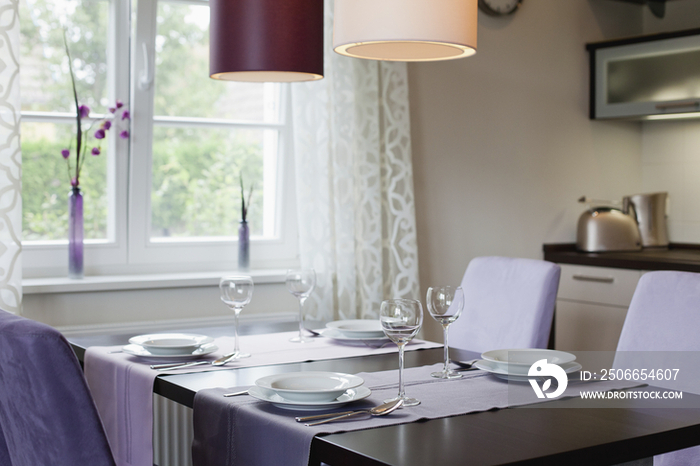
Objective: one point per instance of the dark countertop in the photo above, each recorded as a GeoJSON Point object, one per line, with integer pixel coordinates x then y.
{"type": "Point", "coordinates": [679, 256]}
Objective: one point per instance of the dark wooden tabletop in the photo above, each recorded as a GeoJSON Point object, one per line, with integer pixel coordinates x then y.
{"type": "Point", "coordinates": [556, 432]}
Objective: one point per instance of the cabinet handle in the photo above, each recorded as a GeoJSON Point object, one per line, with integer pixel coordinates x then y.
{"type": "Point", "coordinates": [591, 278]}
{"type": "Point", "coordinates": [677, 105]}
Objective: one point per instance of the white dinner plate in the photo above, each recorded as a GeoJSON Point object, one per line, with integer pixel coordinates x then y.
{"type": "Point", "coordinates": [309, 386]}
{"type": "Point", "coordinates": [138, 350]}
{"type": "Point", "coordinates": [354, 394]}
{"type": "Point", "coordinates": [518, 373]}
{"type": "Point", "coordinates": [171, 343]}
{"type": "Point", "coordinates": [336, 335]}
{"type": "Point", "coordinates": [526, 357]}
{"type": "Point", "coordinates": [357, 328]}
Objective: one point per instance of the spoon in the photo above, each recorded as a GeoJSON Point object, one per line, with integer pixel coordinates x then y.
{"type": "Point", "coordinates": [380, 410]}
{"type": "Point", "coordinates": [178, 365]}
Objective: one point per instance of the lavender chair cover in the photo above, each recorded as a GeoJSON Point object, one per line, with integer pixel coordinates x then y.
{"type": "Point", "coordinates": [664, 315]}
{"type": "Point", "coordinates": [47, 416]}
{"type": "Point", "coordinates": [509, 303]}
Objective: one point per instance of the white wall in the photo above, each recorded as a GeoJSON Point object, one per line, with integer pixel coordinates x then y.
{"type": "Point", "coordinates": [671, 149]}
{"type": "Point", "coordinates": [502, 142]}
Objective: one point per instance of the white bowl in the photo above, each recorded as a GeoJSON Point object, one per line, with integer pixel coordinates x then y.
{"type": "Point", "coordinates": [170, 343]}
{"type": "Point", "coordinates": [358, 328]}
{"type": "Point", "coordinates": [311, 386]}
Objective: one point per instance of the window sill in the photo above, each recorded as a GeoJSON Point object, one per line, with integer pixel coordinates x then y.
{"type": "Point", "coordinates": [139, 282]}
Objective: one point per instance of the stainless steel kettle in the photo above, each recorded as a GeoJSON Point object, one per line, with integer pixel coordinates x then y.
{"type": "Point", "coordinates": [650, 210]}
{"type": "Point", "coordinates": [607, 228]}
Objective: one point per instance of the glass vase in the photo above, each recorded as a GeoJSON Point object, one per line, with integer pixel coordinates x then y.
{"type": "Point", "coordinates": [75, 233]}
{"type": "Point", "coordinates": [243, 246]}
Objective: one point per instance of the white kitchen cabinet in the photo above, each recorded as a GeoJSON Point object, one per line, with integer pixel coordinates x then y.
{"type": "Point", "coordinates": [591, 306]}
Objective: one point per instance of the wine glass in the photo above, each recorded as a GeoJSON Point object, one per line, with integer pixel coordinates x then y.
{"type": "Point", "coordinates": [236, 292]}
{"type": "Point", "coordinates": [301, 283]}
{"type": "Point", "coordinates": [445, 304]}
{"type": "Point", "coordinates": [401, 320]}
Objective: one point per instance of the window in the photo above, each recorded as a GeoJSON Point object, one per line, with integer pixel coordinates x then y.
{"type": "Point", "coordinates": [168, 199]}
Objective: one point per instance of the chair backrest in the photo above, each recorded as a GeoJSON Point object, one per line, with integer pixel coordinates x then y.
{"type": "Point", "coordinates": [47, 415]}
{"type": "Point", "coordinates": [664, 316]}
{"type": "Point", "coordinates": [509, 303]}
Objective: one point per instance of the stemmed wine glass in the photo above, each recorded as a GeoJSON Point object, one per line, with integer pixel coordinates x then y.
{"type": "Point", "coordinates": [401, 320]}
{"type": "Point", "coordinates": [236, 292]}
{"type": "Point", "coordinates": [301, 283]}
{"type": "Point", "coordinates": [445, 304]}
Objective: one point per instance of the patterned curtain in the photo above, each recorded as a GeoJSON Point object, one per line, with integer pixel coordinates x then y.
{"type": "Point", "coordinates": [352, 151]}
{"type": "Point", "coordinates": [10, 160]}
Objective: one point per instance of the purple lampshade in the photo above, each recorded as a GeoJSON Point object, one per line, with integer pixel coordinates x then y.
{"type": "Point", "coordinates": [266, 40]}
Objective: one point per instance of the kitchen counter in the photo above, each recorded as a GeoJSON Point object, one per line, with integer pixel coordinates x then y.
{"type": "Point", "coordinates": [678, 256]}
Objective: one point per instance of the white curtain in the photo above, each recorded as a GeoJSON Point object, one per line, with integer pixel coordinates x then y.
{"type": "Point", "coordinates": [10, 160]}
{"type": "Point", "coordinates": [354, 178]}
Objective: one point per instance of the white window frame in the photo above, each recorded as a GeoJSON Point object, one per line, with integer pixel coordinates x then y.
{"type": "Point", "coordinates": [129, 249]}
{"type": "Point", "coordinates": [50, 258]}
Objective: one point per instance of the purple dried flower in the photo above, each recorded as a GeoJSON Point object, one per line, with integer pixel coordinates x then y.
{"type": "Point", "coordinates": [107, 124]}
{"type": "Point", "coordinates": [124, 134]}
{"type": "Point", "coordinates": [100, 134]}
{"type": "Point", "coordinates": [84, 111]}
{"type": "Point", "coordinates": [95, 151]}
{"type": "Point", "coordinates": [74, 181]}
{"type": "Point", "coordinates": [126, 115]}
{"type": "Point", "coordinates": [120, 104]}
{"type": "Point", "coordinates": [112, 109]}
{"type": "Point", "coordinates": [65, 153]}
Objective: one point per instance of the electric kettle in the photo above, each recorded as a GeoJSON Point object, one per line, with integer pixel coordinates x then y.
{"type": "Point", "coordinates": [650, 210]}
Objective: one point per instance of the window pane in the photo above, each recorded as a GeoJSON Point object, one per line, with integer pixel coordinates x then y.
{"type": "Point", "coordinates": [196, 188]}
{"type": "Point", "coordinates": [46, 183]}
{"type": "Point", "coordinates": [45, 76]}
{"type": "Point", "coordinates": [182, 83]}
{"type": "Point", "coordinates": [46, 87]}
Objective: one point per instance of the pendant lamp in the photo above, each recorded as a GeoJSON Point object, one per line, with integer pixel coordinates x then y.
{"type": "Point", "coordinates": [405, 30]}
{"type": "Point", "coordinates": [266, 40]}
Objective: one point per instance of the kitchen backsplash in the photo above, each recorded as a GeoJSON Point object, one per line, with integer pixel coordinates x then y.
{"type": "Point", "coordinates": [671, 162]}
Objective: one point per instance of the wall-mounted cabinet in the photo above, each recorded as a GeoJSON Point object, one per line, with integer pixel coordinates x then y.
{"type": "Point", "coordinates": [650, 77]}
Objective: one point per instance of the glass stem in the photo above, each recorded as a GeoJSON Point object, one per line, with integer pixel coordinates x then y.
{"type": "Point", "coordinates": [236, 311]}
{"type": "Point", "coordinates": [301, 318]}
{"type": "Point", "coordinates": [402, 392]}
{"type": "Point", "coordinates": [447, 349]}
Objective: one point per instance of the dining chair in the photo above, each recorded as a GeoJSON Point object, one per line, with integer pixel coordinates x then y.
{"type": "Point", "coordinates": [663, 317]}
{"type": "Point", "coordinates": [508, 303]}
{"type": "Point", "coordinates": [47, 415]}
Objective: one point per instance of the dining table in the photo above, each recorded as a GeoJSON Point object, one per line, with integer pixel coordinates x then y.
{"type": "Point", "coordinates": [562, 431]}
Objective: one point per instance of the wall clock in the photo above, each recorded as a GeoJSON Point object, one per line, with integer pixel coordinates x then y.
{"type": "Point", "coordinates": [499, 7]}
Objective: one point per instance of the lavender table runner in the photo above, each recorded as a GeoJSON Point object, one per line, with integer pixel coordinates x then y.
{"type": "Point", "coordinates": [245, 431]}
{"type": "Point", "coordinates": [122, 385]}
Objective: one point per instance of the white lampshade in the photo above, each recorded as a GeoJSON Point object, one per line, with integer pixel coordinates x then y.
{"type": "Point", "coordinates": [405, 30]}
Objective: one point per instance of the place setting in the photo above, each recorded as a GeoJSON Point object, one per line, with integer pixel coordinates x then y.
{"type": "Point", "coordinates": [513, 365]}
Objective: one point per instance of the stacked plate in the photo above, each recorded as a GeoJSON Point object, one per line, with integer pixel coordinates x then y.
{"type": "Point", "coordinates": [355, 330]}
{"type": "Point", "coordinates": [312, 390]}
{"type": "Point", "coordinates": [514, 364]}
{"type": "Point", "coordinates": [170, 345]}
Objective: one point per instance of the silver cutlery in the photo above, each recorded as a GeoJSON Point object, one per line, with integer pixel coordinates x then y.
{"type": "Point", "coordinates": [312, 332]}
{"type": "Point", "coordinates": [380, 410]}
{"type": "Point", "coordinates": [179, 365]}
{"type": "Point", "coordinates": [242, 392]}
{"type": "Point", "coordinates": [465, 364]}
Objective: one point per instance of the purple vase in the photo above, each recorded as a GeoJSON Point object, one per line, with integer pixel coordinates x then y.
{"type": "Point", "coordinates": [243, 246]}
{"type": "Point", "coordinates": [75, 233]}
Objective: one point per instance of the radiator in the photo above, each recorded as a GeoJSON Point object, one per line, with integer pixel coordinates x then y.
{"type": "Point", "coordinates": [172, 433]}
